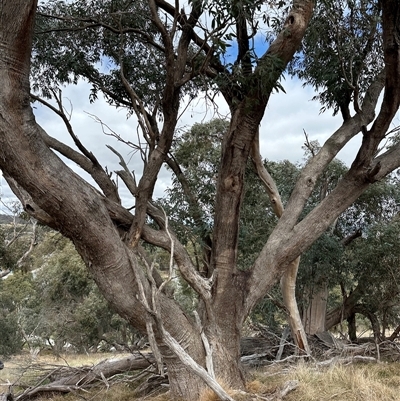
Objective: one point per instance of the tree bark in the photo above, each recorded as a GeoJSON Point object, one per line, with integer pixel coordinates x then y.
{"type": "Point", "coordinates": [288, 288]}
{"type": "Point", "coordinates": [315, 313]}
{"type": "Point", "coordinates": [289, 277]}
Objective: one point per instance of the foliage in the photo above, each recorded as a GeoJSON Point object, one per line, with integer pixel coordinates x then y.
{"type": "Point", "coordinates": [57, 304]}
{"type": "Point", "coordinates": [7, 259]}
{"type": "Point", "coordinates": [341, 54]}
{"type": "Point", "coordinates": [379, 204]}
{"type": "Point", "coordinates": [197, 151]}
{"type": "Point", "coordinates": [72, 311]}
{"type": "Point", "coordinates": [11, 338]}
{"type": "Point", "coordinates": [373, 261]}
{"type": "Point", "coordinates": [15, 293]}
{"type": "Point", "coordinates": [94, 41]}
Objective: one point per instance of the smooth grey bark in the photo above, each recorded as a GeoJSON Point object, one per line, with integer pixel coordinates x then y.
{"type": "Point", "coordinates": [289, 277]}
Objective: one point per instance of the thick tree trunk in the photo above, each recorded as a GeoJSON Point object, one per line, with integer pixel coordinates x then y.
{"type": "Point", "coordinates": [225, 334]}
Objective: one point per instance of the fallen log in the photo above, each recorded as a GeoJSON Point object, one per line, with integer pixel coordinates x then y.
{"type": "Point", "coordinates": [347, 360]}
{"type": "Point", "coordinates": [65, 379]}
{"type": "Point", "coordinates": [66, 376]}
{"type": "Point", "coordinates": [8, 395]}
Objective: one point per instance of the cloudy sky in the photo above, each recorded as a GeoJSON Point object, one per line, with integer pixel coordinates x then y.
{"type": "Point", "coordinates": [282, 134]}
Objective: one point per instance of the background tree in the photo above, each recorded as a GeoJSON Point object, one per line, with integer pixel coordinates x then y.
{"type": "Point", "coordinates": [366, 287]}
{"type": "Point", "coordinates": [54, 303]}
{"type": "Point", "coordinates": [107, 235]}
{"type": "Point", "coordinates": [18, 237]}
{"type": "Point", "coordinates": [11, 335]}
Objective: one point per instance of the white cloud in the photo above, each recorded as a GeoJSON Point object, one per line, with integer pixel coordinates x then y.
{"type": "Point", "coordinates": [281, 133]}
{"type": "Point", "coordinates": [287, 116]}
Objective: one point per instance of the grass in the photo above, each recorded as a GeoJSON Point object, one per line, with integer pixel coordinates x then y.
{"type": "Point", "coordinates": [355, 382]}
{"type": "Point", "coordinates": [25, 369]}
{"type": "Point", "coordinates": [15, 366]}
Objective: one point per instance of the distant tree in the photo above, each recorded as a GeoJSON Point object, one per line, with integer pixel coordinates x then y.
{"type": "Point", "coordinates": [66, 307]}
{"type": "Point", "coordinates": [159, 52]}
{"type": "Point", "coordinates": [370, 281]}
{"type": "Point", "coordinates": [6, 258]}
{"type": "Point", "coordinates": [14, 294]}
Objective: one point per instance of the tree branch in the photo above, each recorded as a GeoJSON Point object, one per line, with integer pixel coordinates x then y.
{"type": "Point", "coordinates": [87, 161]}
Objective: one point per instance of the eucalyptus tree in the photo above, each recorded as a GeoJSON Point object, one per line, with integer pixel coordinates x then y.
{"type": "Point", "coordinates": [69, 309]}
{"type": "Point", "coordinates": [330, 263]}
{"type": "Point", "coordinates": [157, 52]}
{"type": "Point", "coordinates": [367, 272]}
{"type": "Point", "coordinates": [15, 293]}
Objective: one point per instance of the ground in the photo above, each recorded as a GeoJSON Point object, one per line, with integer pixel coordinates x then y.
{"type": "Point", "coordinates": [316, 382]}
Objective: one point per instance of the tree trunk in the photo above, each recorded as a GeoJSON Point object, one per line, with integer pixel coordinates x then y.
{"type": "Point", "coordinates": [348, 311]}
{"type": "Point", "coordinates": [344, 311]}
{"type": "Point", "coordinates": [352, 328]}
{"type": "Point", "coordinates": [288, 280]}
{"type": "Point", "coordinates": [370, 314]}
{"type": "Point", "coordinates": [315, 314]}
{"type": "Point", "coordinates": [288, 287]}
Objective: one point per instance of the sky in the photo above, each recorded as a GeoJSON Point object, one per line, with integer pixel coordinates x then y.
{"type": "Point", "coordinates": [286, 118]}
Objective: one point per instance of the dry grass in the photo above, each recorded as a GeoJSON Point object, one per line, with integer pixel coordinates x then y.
{"type": "Point", "coordinates": [209, 395]}
{"type": "Point", "coordinates": [15, 366]}
{"type": "Point", "coordinates": [357, 382]}
{"type": "Point", "coordinates": [25, 370]}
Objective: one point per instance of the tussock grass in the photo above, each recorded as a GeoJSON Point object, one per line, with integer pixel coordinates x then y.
{"type": "Point", "coordinates": [358, 382]}
{"type": "Point", "coordinates": [209, 395]}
